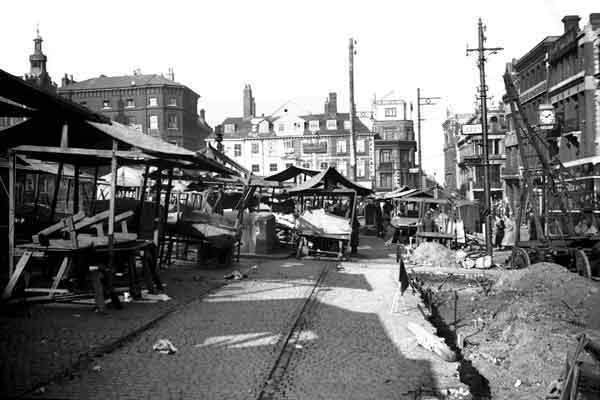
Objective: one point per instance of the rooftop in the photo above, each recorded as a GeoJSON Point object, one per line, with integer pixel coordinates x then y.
{"type": "Point", "coordinates": [125, 81]}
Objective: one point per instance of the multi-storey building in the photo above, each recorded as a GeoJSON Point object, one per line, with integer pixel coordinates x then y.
{"type": "Point", "coordinates": [463, 154]}
{"type": "Point", "coordinates": [395, 145]}
{"type": "Point", "coordinates": [154, 104]}
{"type": "Point", "coordinates": [562, 72]}
{"type": "Point", "coordinates": [268, 144]}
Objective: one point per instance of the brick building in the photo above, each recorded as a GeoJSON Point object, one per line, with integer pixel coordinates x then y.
{"type": "Point", "coordinates": [452, 132]}
{"type": "Point", "coordinates": [395, 145]}
{"type": "Point", "coordinates": [290, 136]}
{"type": "Point", "coordinates": [154, 104]}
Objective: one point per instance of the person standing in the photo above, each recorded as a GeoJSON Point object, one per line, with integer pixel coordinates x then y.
{"type": "Point", "coordinates": [500, 227]}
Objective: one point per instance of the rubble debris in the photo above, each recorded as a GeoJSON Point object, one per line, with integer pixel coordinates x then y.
{"type": "Point", "coordinates": [431, 342]}
{"type": "Point", "coordinates": [164, 346]}
{"type": "Point", "coordinates": [431, 253]}
{"type": "Point", "coordinates": [235, 275]}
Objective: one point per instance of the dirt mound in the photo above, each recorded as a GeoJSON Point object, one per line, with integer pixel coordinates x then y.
{"type": "Point", "coordinates": [430, 253]}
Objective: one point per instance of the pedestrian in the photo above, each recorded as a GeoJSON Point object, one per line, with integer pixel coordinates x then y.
{"type": "Point", "coordinates": [500, 226]}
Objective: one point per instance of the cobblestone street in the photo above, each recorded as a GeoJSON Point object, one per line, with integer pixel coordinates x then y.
{"type": "Point", "coordinates": [352, 342]}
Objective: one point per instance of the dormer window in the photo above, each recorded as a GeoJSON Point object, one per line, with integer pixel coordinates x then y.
{"type": "Point", "coordinates": [105, 103]}
{"type": "Point", "coordinates": [229, 128]}
{"type": "Point", "coordinates": [313, 126]}
{"type": "Point", "coordinates": [263, 127]}
{"type": "Point", "coordinates": [331, 124]}
{"type": "Point", "coordinates": [390, 112]}
{"type": "Point", "coordinates": [347, 125]}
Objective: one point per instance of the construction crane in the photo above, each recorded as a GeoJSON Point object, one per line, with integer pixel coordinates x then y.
{"type": "Point", "coordinates": [548, 188]}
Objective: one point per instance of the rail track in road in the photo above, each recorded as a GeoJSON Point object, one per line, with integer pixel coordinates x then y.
{"type": "Point", "coordinates": [288, 346]}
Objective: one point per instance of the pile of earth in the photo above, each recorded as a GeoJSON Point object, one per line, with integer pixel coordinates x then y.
{"type": "Point", "coordinates": [518, 335]}
{"type": "Point", "coordinates": [435, 254]}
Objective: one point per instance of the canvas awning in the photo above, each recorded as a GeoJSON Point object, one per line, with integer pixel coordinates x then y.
{"type": "Point", "coordinates": [290, 173]}
{"type": "Point", "coordinates": [330, 180]}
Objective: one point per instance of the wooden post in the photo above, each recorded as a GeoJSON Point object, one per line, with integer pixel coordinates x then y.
{"type": "Point", "coordinates": [111, 207]}
{"type": "Point", "coordinates": [36, 191]}
{"type": "Point", "coordinates": [56, 192]}
{"type": "Point", "coordinates": [75, 189]}
{"type": "Point", "coordinates": [11, 210]}
{"type": "Point", "coordinates": [166, 214]}
{"type": "Point", "coordinates": [142, 199]}
{"type": "Point", "coordinates": [157, 206]}
{"type": "Point", "coordinates": [95, 190]}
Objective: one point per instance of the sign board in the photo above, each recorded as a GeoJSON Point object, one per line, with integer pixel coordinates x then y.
{"type": "Point", "coordinates": [472, 129]}
{"type": "Point", "coordinates": [413, 170]}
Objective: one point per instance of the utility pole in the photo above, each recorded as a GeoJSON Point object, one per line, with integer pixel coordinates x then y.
{"type": "Point", "coordinates": [422, 101]}
{"type": "Point", "coordinates": [481, 50]}
{"type": "Point", "coordinates": [352, 113]}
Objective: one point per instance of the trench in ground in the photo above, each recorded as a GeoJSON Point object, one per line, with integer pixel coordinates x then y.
{"type": "Point", "coordinates": [438, 293]}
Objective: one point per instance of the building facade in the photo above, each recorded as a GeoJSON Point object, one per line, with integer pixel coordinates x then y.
{"type": "Point", "coordinates": [395, 145]}
{"type": "Point", "coordinates": [154, 104]}
{"type": "Point", "coordinates": [452, 127]}
{"type": "Point", "coordinates": [562, 72]}
{"type": "Point", "coordinates": [268, 144]}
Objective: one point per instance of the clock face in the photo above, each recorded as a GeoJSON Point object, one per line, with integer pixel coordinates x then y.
{"type": "Point", "coordinates": [547, 117]}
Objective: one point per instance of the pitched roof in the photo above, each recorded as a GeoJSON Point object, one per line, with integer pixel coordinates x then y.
{"type": "Point", "coordinates": [329, 179]}
{"type": "Point", "coordinates": [125, 81]}
{"type": "Point", "coordinates": [290, 172]}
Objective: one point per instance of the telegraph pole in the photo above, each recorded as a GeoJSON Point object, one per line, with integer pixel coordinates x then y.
{"type": "Point", "coordinates": [352, 113]}
{"type": "Point", "coordinates": [481, 50]}
{"type": "Point", "coordinates": [422, 101]}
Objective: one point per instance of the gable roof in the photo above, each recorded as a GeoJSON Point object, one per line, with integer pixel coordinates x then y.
{"type": "Point", "coordinates": [329, 179]}
{"type": "Point", "coordinates": [124, 81]}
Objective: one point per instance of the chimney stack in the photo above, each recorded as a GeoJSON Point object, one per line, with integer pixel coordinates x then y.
{"type": "Point", "coordinates": [171, 74]}
{"type": "Point", "coordinates": [203, 115]}
{"type": "Point", "coordinates": [331, 104]}
{"type": "Point", "coordinates": [570, 22]}
{"type": "Point", "coordinates": [249, 103]}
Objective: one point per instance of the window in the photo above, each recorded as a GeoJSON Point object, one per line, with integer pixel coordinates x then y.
{"type": "Point", "coordinates": [360, 145]}
{"type": "Point", "coordinates": [347, 125]}
{"type": "Point", "coordinates": [360, 169]}
{"type": "Point", "coordinates": [263, 127]}
{"type": "Point", "coordinates": [172, 121]}
{"type": "Point", "coordinates": [340, 146]}
{"type": "Point", "coordinates": [131, 120]}
{"type": "Point", "coordinates": [273, 167]}
{"type": "Point", "coordinates": [173, 101]}
{"type": "Point", "coordinates": [324, 165]}
{"type": "Point", "coordinates": [306, 165]}
{"type": "Point", "coordinates": [385, 156]}
{"type": "Point", "coordinates": [389, 133]}
{"type": "Point", "coordinates": [281, 127]}
{"type": "Point", "coordinates": [254, 148]}
{"type": "Point", "coordinates": [287, 165]}
{"type": "Point", "coordinates": [342, 169]}
{"type": "Point", "coordinates": [84, 103]}
{"type": "Point", "coordinates": [385, 180]}
{"type": "Point", "coordinates": [390, 112]}
{"type": "Point", "coordinates": [237, 150]}
{"type": "Point", "coordinates": [331, 124]}
{"type": "Point", "coordinates": [255, 168]}
{"type": "Point", "coordinates": [130, 103]}
{"type": "Point", "coordinates": [288, 146]}
{"type": "Point", "coordinates": [153, 101]}
{"type": "Point", "coordinates": [105, 103]}
{"type": "Point", "coordinates": [154, 122]}
{"type": "Point", "coordinates": [229, 128]}
{"type": "Point", "coordinates": [313, 126]}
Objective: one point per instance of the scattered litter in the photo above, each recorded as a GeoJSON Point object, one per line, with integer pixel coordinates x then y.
{"type": "Point", "coordinates": [518, 383]}
{"type": "Point", "coordinates": [298, 346]}
{"type": "Point", "coordinates": [97, 368]}
{"type": "Point", "coordinates": [483, 262]}
{"type": "Point", "coordinates": [164, 346]}
{"type": "Point", "coordinates": [156, 297]}
{"type": "Point", "coordinates": [235, 275]}
{"type": "Point", "coordinates": [126, 297]}
{"type": "Point", "coordinates": [435, 254]}
{"type": "Point", "coordinates": [339, 268]}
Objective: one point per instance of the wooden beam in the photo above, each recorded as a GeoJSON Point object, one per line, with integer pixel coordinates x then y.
{"type": "Point", "coordinates": [111, 208]}
{"type": "Point", "coordinates": [56, 191]}
{"type": "Point", "coordinates": [12, 161]}
{"type": "Point", "coordinates": [76, 189]}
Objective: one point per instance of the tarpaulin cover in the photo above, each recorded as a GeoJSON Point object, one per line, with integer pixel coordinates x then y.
{"type": "Point", "coordinates": [319, 223]}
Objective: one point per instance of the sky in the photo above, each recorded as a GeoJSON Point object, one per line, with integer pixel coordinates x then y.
{"type": "Point", "coordinates": [290, 50]}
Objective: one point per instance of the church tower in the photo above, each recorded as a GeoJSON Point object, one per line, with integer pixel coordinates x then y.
{"type": "Point", "coordinates": [249, 104]}
{"type": "Point", "coordinates": [38, 75]}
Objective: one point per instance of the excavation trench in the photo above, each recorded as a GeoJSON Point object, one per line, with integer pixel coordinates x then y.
{"type": "Point", "coordinates": [443, 296]}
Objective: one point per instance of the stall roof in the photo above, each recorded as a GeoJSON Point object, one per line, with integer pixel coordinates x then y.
{"type": "Point", "coordinates": [213, 154]}
{"type": "Point", "coordinates": [11, 109]}
{"type": "Point", "coordinates": [329, 179]}
{"type": "Point", "coordinates": [18, 91]}
{"type": "Point", "coordinates": [289, 173]}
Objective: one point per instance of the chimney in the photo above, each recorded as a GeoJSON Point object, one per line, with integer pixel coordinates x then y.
{"type": "Point", "coordinates": [65, 81]}
{"type": "Point", "coordinates": [171, 74]}
{"type": "Point", "coordinates": [203, 115]}
{"type": "Point", "coordinates": [331, 103]}
{"type": "Point", "coordinates": [249, 103]}
{"type": "Point", "coordinates": [570, 22]}
{"type": "Point", "coordinates": [595, 20]}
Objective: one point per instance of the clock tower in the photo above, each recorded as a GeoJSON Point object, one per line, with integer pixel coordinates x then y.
{"type": "Point", "coordinates": [38, 75]}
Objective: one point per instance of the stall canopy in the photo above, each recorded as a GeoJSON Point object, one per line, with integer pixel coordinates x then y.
{"type": "Point", "coordinates": [290, 173]}
{"type": "Point", "coordinates": [331, 180]}
{"type": "Point", "coordinates": [215, 155]}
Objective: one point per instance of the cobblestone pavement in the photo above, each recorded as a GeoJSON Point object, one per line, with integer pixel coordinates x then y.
{"type": "Point", "coordinates": [226, 343]}
{"type": "Point", "coordinates": [42, 342]}
{"type": "Point", "coordinates": [354, 344]}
